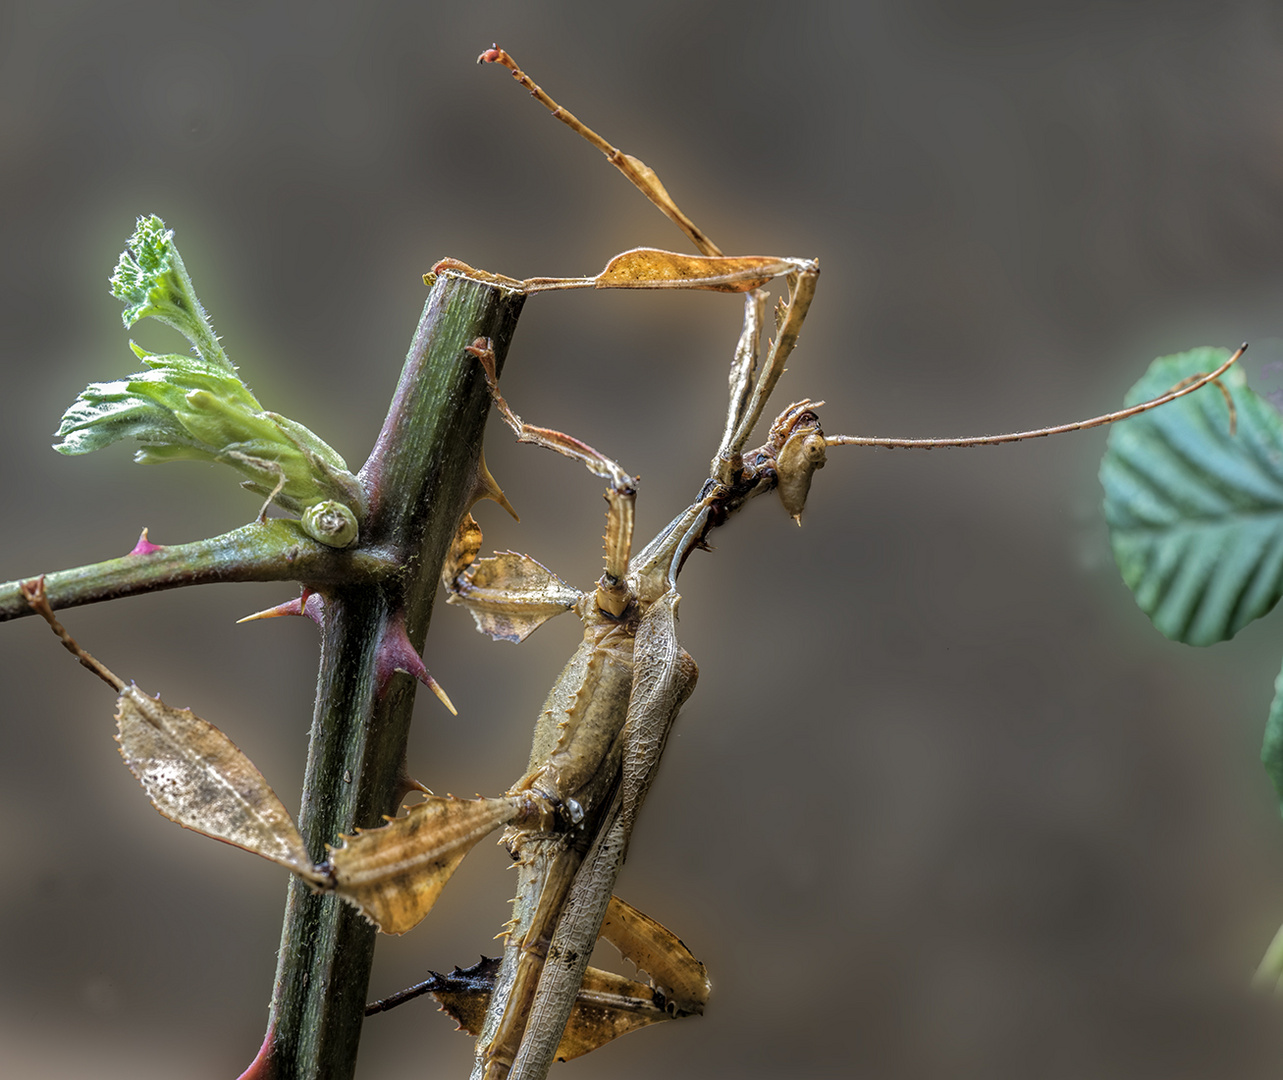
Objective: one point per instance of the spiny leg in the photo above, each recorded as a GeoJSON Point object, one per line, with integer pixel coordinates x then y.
{"type": "Point", "coordinates": [789, 316]}
{"type": "Point", "coordinates": [743, 368]}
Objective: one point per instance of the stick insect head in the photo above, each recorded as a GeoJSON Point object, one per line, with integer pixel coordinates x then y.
{"type": "Point", "coordinates": [799, 447]}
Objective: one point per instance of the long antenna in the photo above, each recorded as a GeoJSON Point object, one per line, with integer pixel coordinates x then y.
{"type": "Point", "coordinates": [1188, 387]}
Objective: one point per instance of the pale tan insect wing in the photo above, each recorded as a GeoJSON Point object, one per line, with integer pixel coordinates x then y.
{"type": "Point", "coordinates": [195, 775]}
{"type": "Point", "coordinates": [607, 1006]}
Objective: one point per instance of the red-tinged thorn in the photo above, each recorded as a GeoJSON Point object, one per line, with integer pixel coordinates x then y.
{"type": "Point", "coordinates": [309, 604]}
{"type": "Point", "coordinates": [263, 1067]}
{"type": "Point", "coordinates": [397, 654]}
{"type": "Point", "coordinates": [145, 546]}
{"type": "Point", "coordinates": [490, 55]}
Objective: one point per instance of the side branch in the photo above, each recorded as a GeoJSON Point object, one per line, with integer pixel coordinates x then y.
{"type": "Point", "coordinates": [275, 550]}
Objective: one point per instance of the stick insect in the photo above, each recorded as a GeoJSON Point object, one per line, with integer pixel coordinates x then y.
{"type": "Point", "coordinates": [601, 734]}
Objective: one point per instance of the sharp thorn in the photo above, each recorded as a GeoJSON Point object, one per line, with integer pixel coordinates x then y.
{"type": "Point", "coordinates": [145, 546]}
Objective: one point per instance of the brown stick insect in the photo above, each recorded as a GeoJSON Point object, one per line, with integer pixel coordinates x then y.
{"type": "Point", "coordinates": [600, 736]}
{"type": "Point", "coordinates": [604, 725]}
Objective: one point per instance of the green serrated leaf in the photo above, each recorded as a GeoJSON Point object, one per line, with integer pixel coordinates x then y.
{"type": "Point", "coordinates": [152, 282]}
{"type": "Point", "coordinates": [1195, 513]}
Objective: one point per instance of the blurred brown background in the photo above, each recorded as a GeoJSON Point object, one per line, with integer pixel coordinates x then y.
{"type": "Point", "coordinates": [945, 805]}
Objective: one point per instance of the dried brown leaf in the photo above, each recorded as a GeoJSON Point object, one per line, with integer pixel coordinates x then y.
{"type": "Point", "coordinates": [394, 874]}
{"type": "Point", "coordinates": [651, 268]}
{"type": "Point", "coordinates": [195, 775]}
{"type": "Point", "coordinates": [510, 595]}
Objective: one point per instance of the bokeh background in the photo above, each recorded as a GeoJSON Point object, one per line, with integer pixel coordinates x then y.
{"type": "Point", "coordinates": [944, 803]}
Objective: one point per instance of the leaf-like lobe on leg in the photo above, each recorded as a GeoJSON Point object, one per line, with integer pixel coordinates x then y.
{"type": "Point", "coordinates": [608, 1005]}
{"type": "Point", "coordinates": [464, 549]}
{"type": "Point", "coordinates": [394, 874]}
{"type": "Point", "coordinates": [196, 776]}
{"type": "Point", "coordinates": [660, 953]}
{"type": "Point", "coordinates": [510, 595]}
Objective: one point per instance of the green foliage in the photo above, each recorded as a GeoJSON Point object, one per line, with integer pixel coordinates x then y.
{"type": "Point", "coordinates": [152, 282]}
{"type": "Point", "coordinates": [196, 407]}
{"type": "Point", "coordinates": [1195, 512]}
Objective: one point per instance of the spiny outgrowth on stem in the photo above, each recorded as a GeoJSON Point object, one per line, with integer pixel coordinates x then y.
{"type": "Point", "coordinates": [197, 407]}
{"type": "Point", "coordinates": [309, 603]}
{"type": "Point", "coordinates": [145, 546]}
{"type": "Point", "coordinates": [396, 653]}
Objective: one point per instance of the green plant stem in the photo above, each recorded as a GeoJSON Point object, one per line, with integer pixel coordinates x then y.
{"type": "Point", "coordinates": [419, 481]}
{"type": "Point", "coordinates": [275, 550]}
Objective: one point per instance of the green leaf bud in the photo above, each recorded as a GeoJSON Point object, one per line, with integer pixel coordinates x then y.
{"type": "Point", "coordinates": [330, 523]}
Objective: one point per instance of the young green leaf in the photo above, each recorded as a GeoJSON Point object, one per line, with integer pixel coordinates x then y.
{"type": "Point", "coordinates": [1194, 502]}
{"type": "Point", "coordinates": [152, 282]}
{"type": "Point", "coordinates": [197, 407]}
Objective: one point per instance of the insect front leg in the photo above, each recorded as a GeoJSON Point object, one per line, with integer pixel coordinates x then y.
{"type": "Point", "coordinates": [622, 494]}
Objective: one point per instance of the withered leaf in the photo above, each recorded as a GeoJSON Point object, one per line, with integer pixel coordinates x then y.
{"type": "Point", "coordinates": [510, 595]}
{"type": "Point", "coordinates": [195, 775]}
{"type": "Point", "coordinates": [651, 268]}
{"type": "Point", "coordinates": [607, 1006]}
{"type": "Point", "coordinates": [394, 874]}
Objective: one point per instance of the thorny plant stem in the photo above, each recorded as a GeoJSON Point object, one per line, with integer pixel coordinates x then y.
{"type": "Point", "coordinates": [419, 481]}
{"type": "Point", "coordinates": [377, 595]}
